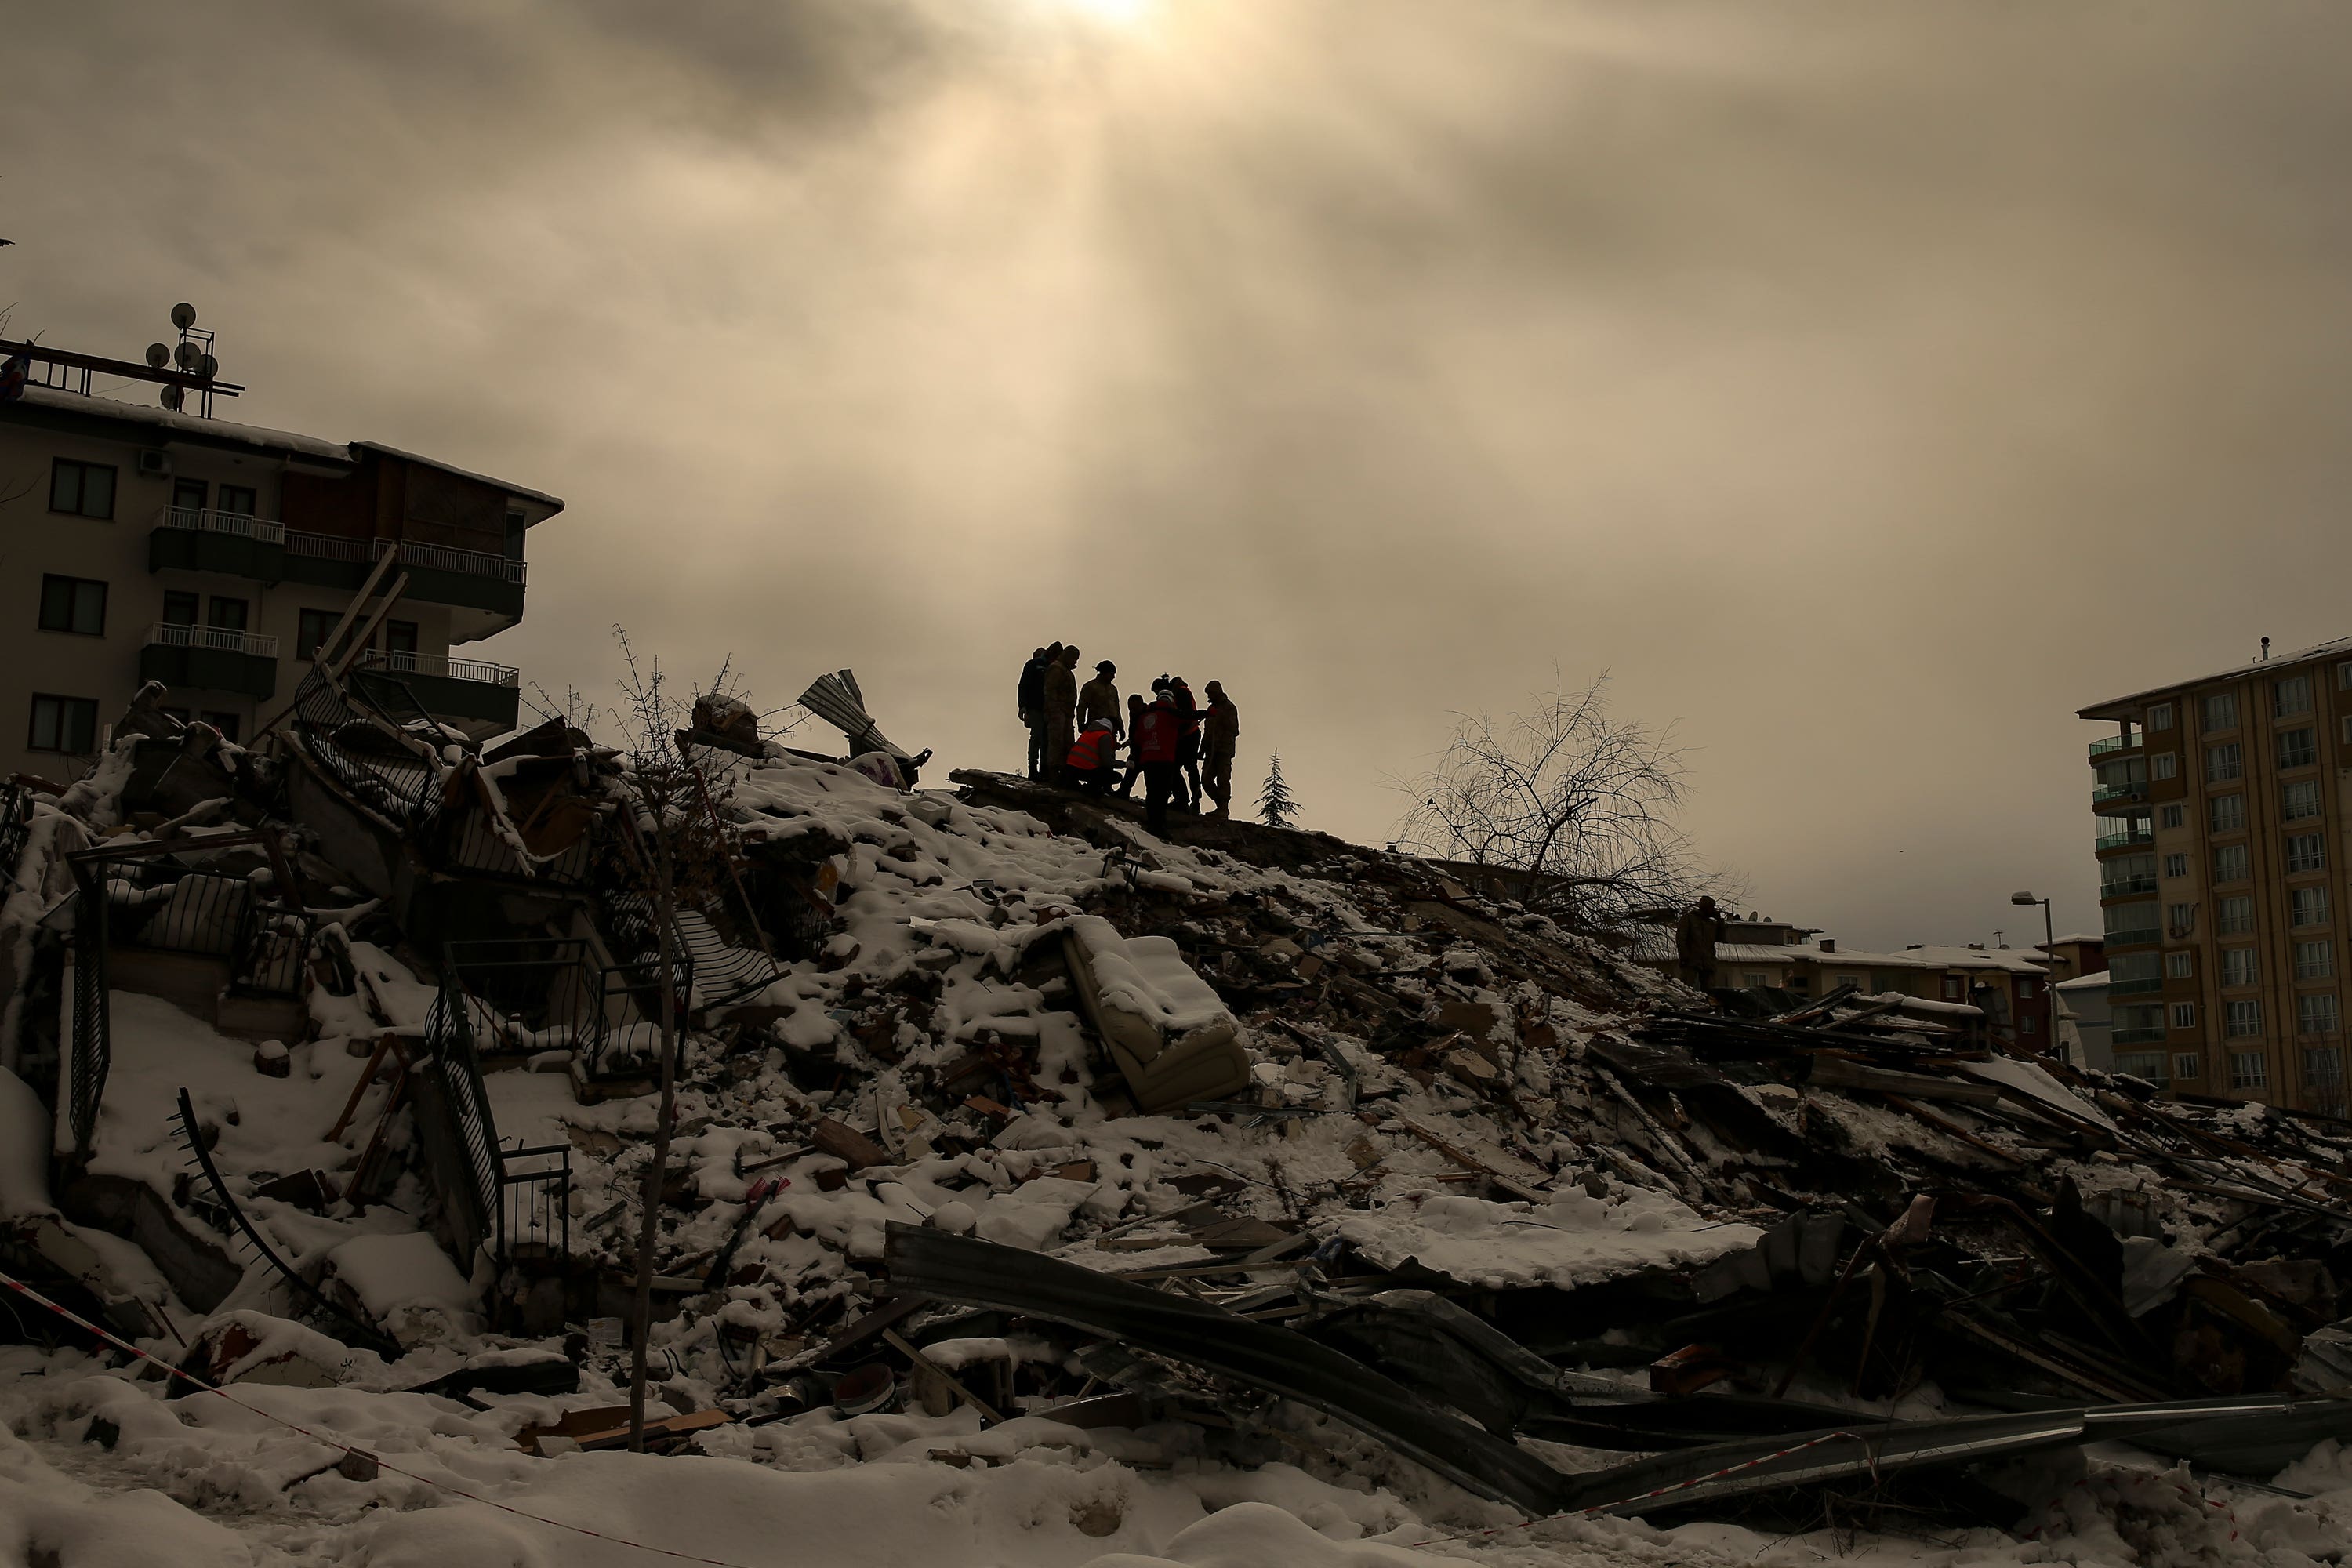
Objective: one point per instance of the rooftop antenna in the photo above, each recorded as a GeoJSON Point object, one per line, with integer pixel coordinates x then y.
{"type": "Point", "coordinates": [2266, 650]}
{"type": "Point", "coordinates": [193, 356]}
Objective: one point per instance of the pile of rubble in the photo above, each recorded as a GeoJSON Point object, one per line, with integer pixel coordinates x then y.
{"type": "Point", "coordinates": [1236, 1146]}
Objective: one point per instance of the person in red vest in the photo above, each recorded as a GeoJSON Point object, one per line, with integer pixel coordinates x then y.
{"type": "Point", "coordinates": [1158, 733]}
{"type": "Point", "coordinates": [1093, 761]}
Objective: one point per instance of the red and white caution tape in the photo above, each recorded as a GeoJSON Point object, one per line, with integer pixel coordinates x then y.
{"type": "Point", "coordinates": [21, 1288]}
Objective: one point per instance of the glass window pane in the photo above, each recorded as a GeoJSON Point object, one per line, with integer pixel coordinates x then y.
{"type": "Point", "coordinates": [65, 487]}
{"type": "Point", "coordinates": [97, 491]}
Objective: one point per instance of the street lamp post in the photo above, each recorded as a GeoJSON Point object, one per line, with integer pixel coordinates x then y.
{"type": "Point", "coordinates": [2048, 966]}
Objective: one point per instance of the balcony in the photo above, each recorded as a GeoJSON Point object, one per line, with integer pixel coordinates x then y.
{"type": "Point", "coordinates": [2123, 886]}
{"type": "Point", "coordinates": [2132, 988]}
{"type": "Point", "coordinates": [2136, 1036]}
{"type": "Point", "coordinates": [2133, 938]}
{"type": "Point", "coordinates": [2106, 841]}
{"type": "Point", "coordinates": [2107, 795]}
{"type": "Point", "coordinates": [199, 539]}
{"type": "Point", "coordinates": [467, 578]}
{"type": "Point", "coordinates": [475, 695]}
{"type": "Point", "coordinates": [2114, 745]}
{"type": "Point", "coordinates": [210, 658]}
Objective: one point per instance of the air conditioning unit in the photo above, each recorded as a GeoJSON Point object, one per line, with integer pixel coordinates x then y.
{"type": "Point", "coordinates": [155, 465]}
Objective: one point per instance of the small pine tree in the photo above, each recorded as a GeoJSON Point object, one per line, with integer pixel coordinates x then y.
{"type": "Point", "coordinates": [1274, 806]}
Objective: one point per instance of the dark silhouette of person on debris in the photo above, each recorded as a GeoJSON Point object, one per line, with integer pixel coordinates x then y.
{"type": "Point", "coordinates": [1134, 764]}
{"type": "Point", "coordinates": [1032, 705]}
{"type": "Point", "coordinates": [1696, 934]}
{"type": "Point", "coordinates": [1159, 735]}
{"type": "Point", "coordinates": [1099, 699]}
{"type": "Point", "coordinates": [1221, 728]}
{"type": "Point", "coordinates": [1061, 714]}
{"type": "Point", "coordinates": [1093, 761]}
{"type": "Point", "coordinates": [1187, 746]}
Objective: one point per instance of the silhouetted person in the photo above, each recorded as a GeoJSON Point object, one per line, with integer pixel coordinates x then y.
{"type": "Point", "coordinates": [1158, 732]}
{"type": "Point", "coordinates": [1094, 758]}
{"type": "Point", "coordinates": [1221, 728]}
{"type": "Point", "coordinates": [1134, 766]}
{"type": "Point", "coordinates": [1696, 934]}
{"type": "Point", "coordinates": [1061, 714]}
{"type": "Point", "coordinates": [1032, 705]}
{"type": "Point", "coordinates": [1099, 699]}
{"type": "Point", "coordinates": [1188, 747]}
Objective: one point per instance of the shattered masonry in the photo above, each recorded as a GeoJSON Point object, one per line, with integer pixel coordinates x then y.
{"type": "Point", "coordinates": [1251, 1144]}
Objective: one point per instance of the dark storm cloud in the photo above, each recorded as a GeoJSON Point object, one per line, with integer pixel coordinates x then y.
{"type": "Point", "coordinates": [1867, 386]}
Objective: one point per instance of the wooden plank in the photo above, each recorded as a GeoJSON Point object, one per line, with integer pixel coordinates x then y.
{"type": "Point", "coordinates": [1838, 1072]}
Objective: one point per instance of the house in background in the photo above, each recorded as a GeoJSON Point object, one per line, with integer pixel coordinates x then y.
{"type": "Point", "coordinates": [2083, 1028]}
{"type": "Point", "coordinates": [146, 543]}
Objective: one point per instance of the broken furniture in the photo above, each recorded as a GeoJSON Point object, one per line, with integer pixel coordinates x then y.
{"type": "Point", "coordinates": [1169, 1033]}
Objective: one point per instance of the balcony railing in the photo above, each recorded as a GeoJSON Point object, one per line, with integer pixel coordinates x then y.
{"type": "Point", "coordinates": [2126, 987]}
{"type": "Point", "coordinates": [2123, 885]}
{"type": "Point", "coordinates": [2136, 790]}
{"type": "Point", "coordinates": [441, 666]}
{"type": "Point", "coordinates": [2121, 840]}
{"type": "Point", "coordinates": [221, 639]}
{"type": "Point", "coordinates": [2115, 743]}
{"type": "Point", "coordinates": [206, 520]}
{"type": "Point", "coordinates": [2131, 937]}
{"type": "Point", "coordinates": [426, 557]}
{"type": "Point", "coordinates": [2136, 1036]}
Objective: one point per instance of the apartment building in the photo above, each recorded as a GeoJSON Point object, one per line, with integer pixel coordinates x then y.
{"type": "Point", "coordinates": [144, 543]}
{"type": "Point", "coordinates": [2220, 806]}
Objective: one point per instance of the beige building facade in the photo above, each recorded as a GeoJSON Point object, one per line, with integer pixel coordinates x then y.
{"type": "Point", "coordinates": [146, 544]}
{"type": "Point", "coordinates": [2221, 806]}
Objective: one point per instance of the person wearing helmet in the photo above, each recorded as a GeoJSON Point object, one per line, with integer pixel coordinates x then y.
{"type": "Point", "coordinates": [1061, 714]}
{"type": "Point", "coordinates": [1158, 732]}
{"type": "Point", "coordinates": [1030, 701]}
{"type": "Point", "coordinates": [1093, 761]}
{"type": "Point", "coordinates": [1099, 699]}
{"type": "Point", "coordinates": [1187, 746]}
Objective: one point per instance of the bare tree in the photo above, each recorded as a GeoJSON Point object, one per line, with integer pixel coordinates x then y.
{"type": "Point", "coordinates": [1584, 803]}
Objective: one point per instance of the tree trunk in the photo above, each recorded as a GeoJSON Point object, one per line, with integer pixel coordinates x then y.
{"type": "Point", "coordinates": [657, 1173]}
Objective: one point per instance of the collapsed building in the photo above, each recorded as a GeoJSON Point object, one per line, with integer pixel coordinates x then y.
{"type": "Point", "coordinates": [1245, 1144]}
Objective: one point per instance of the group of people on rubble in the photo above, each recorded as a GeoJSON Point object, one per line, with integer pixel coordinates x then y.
{"type": "Point", "coordinates": [1181, 751]}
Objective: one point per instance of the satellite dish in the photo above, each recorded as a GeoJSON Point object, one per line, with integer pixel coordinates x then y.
{"type": "Point", "coordinates": [183, 315]}
{"type": "Point", "coordinates": [158, 356]}
{"type": "Point", "coordinates": [174, 397]}
{"type": "Point", "coordinates": [187, 355]}
{"type": "Point", "coordinates": [207, 366]}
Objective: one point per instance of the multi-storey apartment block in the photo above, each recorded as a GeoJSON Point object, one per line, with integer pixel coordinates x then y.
{"type": "Point", "coordinates": [2221, 805]}
{"type": "Point", "coordinates": [138, 544]}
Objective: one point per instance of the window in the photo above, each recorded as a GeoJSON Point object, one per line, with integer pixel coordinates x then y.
{"type": "Point", "coordinates": [2307, 907]}
{"type": "Point", "coordinates": [228, 614]}
{"type": "Point", "coordinates": [2343, 676]}
{"type": "Point", "coordinates": [2228, 811]}
{"type": "Point", "coordinates": [2164, 765]}
{"type": "Point", "coordinates": [2188, 1064]}
{"type": "Point", "coordinates": [2129, 923]}
{"type": "Point", "coordinates": [1955, 988]}
{"type": "Point", "coordinates": [2230, 863]}
{"type": "Point", "coordinates": [188, 495]}
{"type": "Point", "coordinates": [2181, 965]}
{"type": "Point", "coordinates": [2235, 916]}
{"type": "Point", "coordinates": [73, 604]}
{"type": "Point", "coordinates": [2180, 919]}
{"type": "Point", "coordinates": [2290, 695]}
{"type": "Point", "coordinates": [2238, 966]}
{"type": "Point", "coordinates": [2028, 987]}
{"type": "Point", "coordinates": [312, 631]}
{"type": "Point", "coordinates": [2323, 1065]}
{"type": "Point", "coordinates": [2148, 1065]}
{"type": "Point", "coordinates": [179, 609]}
{"type": "Point", "coordinates": [2315, 1013]}
{"type": "Point", "coordinates": [2247, 1070]}
{"type": "Point", "coordinates": [2161, 716]}
{"type": "Point", "coordinates": [2314, 959]}
{"type": "Point", "coordinates": [2244, 1018]}
{"type": "Point", "coordinates": [2028, 1024]}
{"type": "Point", "coordinates": [68, 724]}
{"type": "Point", "coordinates": [2348, 728]}
{"type": "Point", "coordinates": [2307, 852]}
{"type": "Point", "coordinates": [2221, 711]}
{"type": "Point", "coordinates": [2298, 748]}
{"type": "Point", "coordinates": [2184, 1015]}
{"type": "Point", "coordinates": [2299, 801]}
{"type": "Point", "coordinates": [2137, 971]}
{"type": "Point", "coordinates": [515, 526]}
{"type": "Point", "coordinates": [226, 723]}
{"type": "Point", "coordinates": [237, 501]}
{"type": "Point", "coordinates": [2224, 763]}
{"type": "Point", "coordinates": [1853, 980]}
{"type": "Point", "coordinates": [2172, 817]}
{"type": "Point", "coordinates": [84, 489]}
{"type": "Point", "coordinates": [400, 636]}
{"type": "Point", "coordinates": [2176, 865]}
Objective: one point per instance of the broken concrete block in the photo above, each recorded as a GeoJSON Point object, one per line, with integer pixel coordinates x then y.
{"type": "Point", "coordinates": [271, 1059]}
{"type": "Point", "coordinates": [846, 1144]}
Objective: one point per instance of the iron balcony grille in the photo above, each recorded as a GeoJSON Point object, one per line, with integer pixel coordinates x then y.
{"type": "Point", "coordinates": [2115, 743]}
{"type": "Point", "coordinates": [208, 520]}
{"type": "Point", "coordinates": [171, 633]}
{"type": "Point", "coordinates": [429, 557]}
{"type": "Point", "coordinates": [442, 666]}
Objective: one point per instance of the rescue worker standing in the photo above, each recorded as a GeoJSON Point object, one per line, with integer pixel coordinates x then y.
{"type": "Point", "coordinates": [1030, 701]}
{"type": "Point", "coordinates": [1061, 707]}
{"type": "Point", "coordinates": [1134, 764]}
{"type": "Point", "coordinates": [1188, 748]}
{"type": "Point", "coordinates": [1099, 699]}
{"type": "Point", "coordinates": [1094, 758]}
{"type": "Point", "coordinates": [1158, 732]}
{"type": "Point", "coordinates": [1696, 934]}
{"type": "Point", "coordinates": [1221, 727]}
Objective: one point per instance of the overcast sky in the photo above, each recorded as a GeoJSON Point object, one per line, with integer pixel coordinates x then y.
{"type": "Point", "coordinates": [1868, 387]}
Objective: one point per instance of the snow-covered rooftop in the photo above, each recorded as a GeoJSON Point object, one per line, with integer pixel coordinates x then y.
{"type": "Point", "coordinates": [2122, 706]}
